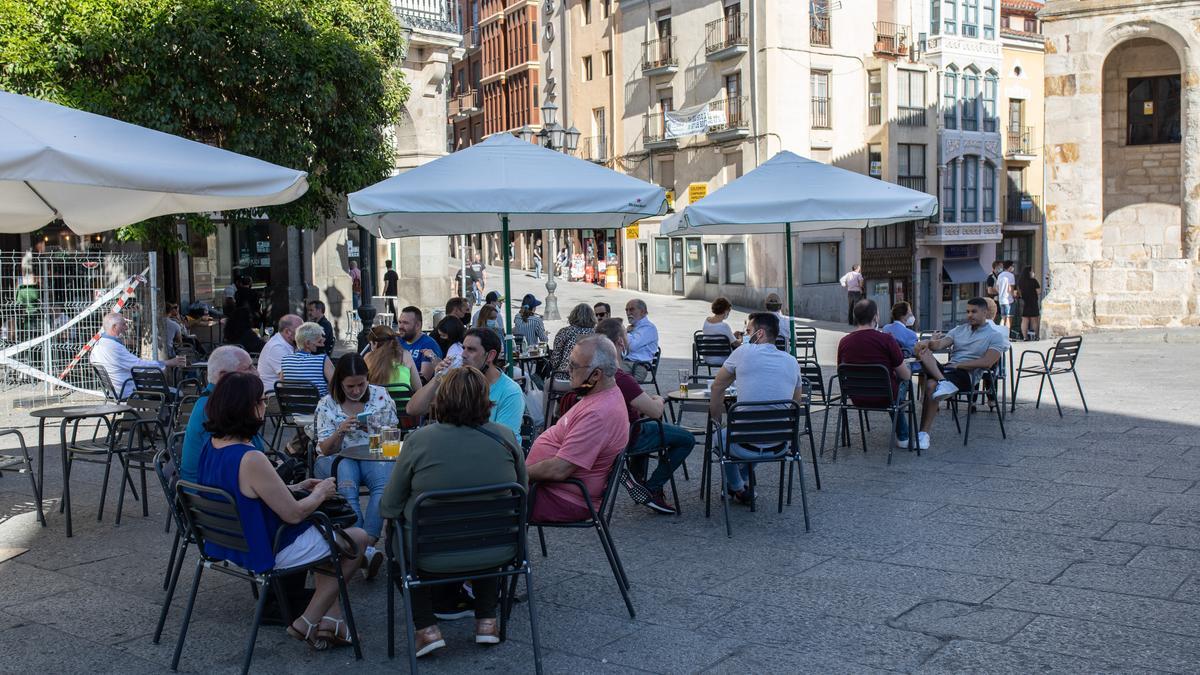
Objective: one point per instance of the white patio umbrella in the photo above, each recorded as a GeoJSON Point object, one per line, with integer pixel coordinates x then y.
{"type": "Point", "coordinates": [504, 184]}
{"type": "Point", "coordinates": [789, 193]}
{"type": "Point", "coordinates": [97, 173]}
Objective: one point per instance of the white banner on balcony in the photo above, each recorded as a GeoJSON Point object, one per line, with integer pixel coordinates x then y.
{"type": "Point", "coordinates": [691, 121]}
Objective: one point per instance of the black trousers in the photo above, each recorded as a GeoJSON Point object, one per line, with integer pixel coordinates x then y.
{"type": "Point", "coordinates": [426, 598]}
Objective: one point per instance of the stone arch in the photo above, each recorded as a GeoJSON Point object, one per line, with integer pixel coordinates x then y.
{"type": "Point", "coordinates": [1142, 177]}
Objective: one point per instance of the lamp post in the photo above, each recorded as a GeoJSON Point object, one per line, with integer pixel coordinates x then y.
{"type": "Point", "coordinates": [552, 136]}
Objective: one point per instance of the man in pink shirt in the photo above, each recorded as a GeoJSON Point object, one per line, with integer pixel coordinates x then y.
{"type": "Point", "coordinates": [583, 443]}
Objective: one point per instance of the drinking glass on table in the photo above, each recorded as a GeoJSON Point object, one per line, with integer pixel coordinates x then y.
{"type": "Point", "coordinates": [391, 443]}
{"type": "Point", "coordinates": [684, 378]}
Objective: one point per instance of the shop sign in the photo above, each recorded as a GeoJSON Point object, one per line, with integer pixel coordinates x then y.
{"type": "Point", "coordinates": [351, 249]}
{"type": "Point", "coordinates": [696, 192]}
{"type": "Point", "coordinates": [262, 246]}
{"type": "Point", "coordinates": [1148, 108]}
{"type": "Point", "coordinates": [632, 231]}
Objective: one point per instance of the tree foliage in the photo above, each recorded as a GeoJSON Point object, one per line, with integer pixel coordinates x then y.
{"type": "Point", "coordinates": [307, 84]}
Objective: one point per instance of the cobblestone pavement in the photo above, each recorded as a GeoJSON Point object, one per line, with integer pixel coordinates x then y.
{"type": "Point", "coordinates": [1074, 545]}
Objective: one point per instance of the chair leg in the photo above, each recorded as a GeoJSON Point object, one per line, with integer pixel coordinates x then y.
{"type": "Point", "coordinates": [542, 540]}
{"type": "Point", "coordinates": [145, 497]}
{"type": "Point", "coordinates": [1041, 386]}
{"type": "Point", "coordinates": [782, 468]}
{"type": "Point", "coordinates": [812, 447]}
{"type": "Point", "coordinates": [171, 560]}
{"type": "Point", "coordinates": [1080, 388]}
{"type": "Point", "coordinates": [725, 499]}
{"type": "Point", "coordinates": [344, 596]}
{"type": "Point", "coordinates": [1016, 385]}
{"type": "Point", "coordinates": [1000, 419]}
{"type": "Point", "coordinates": [1054, 391]}
{"type": "Point", "coordinates": [103, 486]}
{"type": "Point", "coordinates": [187, 615]}
{"type": "Point", "coordinates": [970, 414]}
{"type": "Point", "coordinates": [391, 608]}
{"type": "Point", "coordinates": [614, 562]}
{"type": "Point", "coordinates": [258, 612]}
{"type": "Point", "coordinates": [674, 490]}
{"type": "Point", "coordinates": [533, 623]}
{"type": "Point", "coordinates": [803, 496]}
{"type": "Point", "coordinates": [173, 570]}
{"type": "Point", "coordinates": [861, 431]}
{"type": "Point", "coordinates": [409, 629]}
{"type": "Point", "coordinates": [824, 428]}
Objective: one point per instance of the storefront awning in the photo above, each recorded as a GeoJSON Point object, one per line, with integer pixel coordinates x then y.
{"type": "Point", "coordinates": [967, 271]}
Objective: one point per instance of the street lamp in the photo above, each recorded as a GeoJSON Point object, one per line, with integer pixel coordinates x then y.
{"type": "Point", "coordinates": [554, 137]}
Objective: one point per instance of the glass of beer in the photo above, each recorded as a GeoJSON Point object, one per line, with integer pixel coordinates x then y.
{"type": "Point", "coordinates": [375, 442]}
{"type": "Point", "coordinates": [684, 376]}
{"type": "Point", "coordinates": [391, 443]}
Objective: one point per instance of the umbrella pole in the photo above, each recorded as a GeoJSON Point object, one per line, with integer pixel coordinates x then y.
{"type": "Point", "coordinates": [787, 246]}
{"type": "Point", "coordinates": [507, 294]}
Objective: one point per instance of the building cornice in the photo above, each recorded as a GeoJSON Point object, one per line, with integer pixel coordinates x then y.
{"type": "Point", "coordinates": [1058, 10]}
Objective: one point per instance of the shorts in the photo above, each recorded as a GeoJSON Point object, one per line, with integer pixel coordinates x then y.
{"type": "Point", "coordinates": [1005, 310]}
{"type": "Point", "coordinates": [309, 547]}
{"type": "Point", "coordinates": [959, 378]}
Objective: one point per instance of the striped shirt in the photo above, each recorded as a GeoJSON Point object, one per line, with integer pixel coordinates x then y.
{"type": "Point", "coordinates": [532, 329]}
{"type": "Point", "coordinates": [306, 367]}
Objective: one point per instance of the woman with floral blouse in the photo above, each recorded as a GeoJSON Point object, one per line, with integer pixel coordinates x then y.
{"type": "Point", "coordinates": [338, 427]}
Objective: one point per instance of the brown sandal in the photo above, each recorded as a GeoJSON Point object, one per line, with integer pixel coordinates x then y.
{"type": "Point", "coordinates": [318, 641]}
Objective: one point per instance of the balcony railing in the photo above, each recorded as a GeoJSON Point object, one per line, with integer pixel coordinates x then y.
{"type": "Point", "coordinates": [735, 111]}
{"type": "Point", "coordinates": [659, 54]}
{"type": "Point", "coordinates": [1022, 209]}
{"type": "Point", "coordinates": [874, 115]}
{"type": "Point", "coordinates": [594, 149]}
{"type": "Point", "coordinates": [819, 33]}
{"type": "Point", "coordinates": [654, 130]}
{"type": "Point", "coordinates": [435, 15]}
{"type": "Point", "coordinates": [910, 117]}
{"type": "Point", "coordinates": [466, 102]}
{"type": "Point", "coordinates": [1020, 142]}
{"type": "Point", "coordinates": [958, 232]}
{"type": "Point", "coordinates": [890, 39]}
{"type": "Point", "coordinates": [726, 33]}
{"type": "Point", "coordinates": [912, 182]}
{"type": "Point", "coordinates": [821, 106]}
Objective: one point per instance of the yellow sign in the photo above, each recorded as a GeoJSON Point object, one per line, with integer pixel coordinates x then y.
{"type": "Point", "coordinates": [1148, 107]}
{"type": "Point", "coordinates": [696, 192]}
{"type": "Point", "coordinates": [671, 199]}
{"type": "Point", "coordinates": [631, 231]}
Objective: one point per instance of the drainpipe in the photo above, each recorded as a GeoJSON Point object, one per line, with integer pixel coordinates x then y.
{"type": "Point", "coordinates": [754, 79]}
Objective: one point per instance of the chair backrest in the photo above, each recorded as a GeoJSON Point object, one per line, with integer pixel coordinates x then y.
{"type": "Point", "coordinates": [711, 345]}
{"type": "Point", "coordinates": [401, 394]}
{"type": "Point", "coordinates": [465, 520]}
{"type": "Point", "coordinates": [106, 383]}
{"type": "Point", "coordinates": [175, 447]}
{"type": "Point", "coordinates": [781, 343]}
{"type": "Point", "coordinates": [150, 379]}
{"type": "Point", "coordinates": [767, 426]}
{"type": "Point", "coordinates": [810, 370]}
{"type": "Point", "coordinates": [212, 516]}
{"type": "Point", "coordinates": [183, 412]}
{"type": "Point", "coordinates": [865, 381]}
{"type": "Point", "coordinates": [167, 470]}
{"type": "Point", "coordinates": [553, 396]}
{"type": "Point", "coordinates": [612, 483]}
{"type": "Point", "coordinates": [1064, 353]}
{"type": "Point", "coordinates": [297, 398]}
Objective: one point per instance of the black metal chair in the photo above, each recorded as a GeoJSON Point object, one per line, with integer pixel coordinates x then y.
{"type": "Point", "coordinates": [212, 515]}
{"type": "Point", "coordinates": [23, 464]}
{"type": "Point", "coordinates": [166, 466]}
{"type": "Point", "coordinates": [806, 343]}
{"type": "Point", "coordinates": [554, 394]}
{"type": "Point", "coordinates": [461, 521]}
{"type": "Point", "coordinates": [598, 518]}
{"type": "Point", "coordinates": [874, 382]}
{"type": "Point", "coordinates": [986, 390]}
{"type": "Point", "coordinates": [773, 429]}
{"type": "Point", "coordinates": [294, 399]}
{"type": "Point", "coordinates": [647, 373]}
{"type": "Point", "coordinates": [183, 412]}
{"type": "Point", "coordinates": [151, 380]}
{"type": "Point", "coordinates": [706, 347]}
{"type": "Point", "coordinates": [111, 393]}
{"type": "Point", "coordinates": [145, 435]}
{"type": "Point", "coordinates": [1058, 360]}
{"type": "Point", "coordinates": [644, 426]}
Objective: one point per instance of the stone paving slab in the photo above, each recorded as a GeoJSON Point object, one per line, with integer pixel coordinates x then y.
{"type": "Point", "coordinates": [1074, 545]}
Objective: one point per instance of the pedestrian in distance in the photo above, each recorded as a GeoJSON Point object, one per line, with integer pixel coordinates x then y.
{"type": "Point", "coordinates": [852, 281]}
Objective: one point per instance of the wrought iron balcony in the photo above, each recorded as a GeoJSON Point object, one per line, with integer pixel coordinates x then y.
{"type": "Point", "coordinates": [654, 132]}
{"type": "Point", "coordinates": [910, 117]}
{"type": "Point", "coordinates": [465, 103]}
{"type": "Point", "coordinates": [912, 182]}
{"type": "Point", "coordinates": [726, 37]}
{"type": "Point", "coordinates": [1022, 209]}
{"type": "Point", "coordinates": [736, 113]}
{"type": "Point", "coordinates": [594, 149]}
{"type": "Point", "coordinates": [890, 39]}
{"type": "Point", "coordinates": [658, 56]}
{"type": "Point", "coordinates": [1020, 143]}
{"type": "Point", "coordinates": [821, 107]}
{"type": "Point", "coordinates": [435, 15]}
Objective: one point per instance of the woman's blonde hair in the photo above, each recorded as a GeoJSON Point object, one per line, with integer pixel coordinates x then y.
{"type": "Point", "coordinates": [384, 355]}
{"type": "Point", "coordinates": [462, 399]}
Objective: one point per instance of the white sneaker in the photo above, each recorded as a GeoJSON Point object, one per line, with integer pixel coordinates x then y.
{"type": "Point", "coordinates": [944, 390]}
{"type": "Point", "coordinates": [900, 442]}
{"type": "Point", "coordinates": [923, 440]}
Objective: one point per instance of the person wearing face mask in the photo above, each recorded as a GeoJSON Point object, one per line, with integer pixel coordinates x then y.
{"type": "Point", "coordinates": [901, 328]}
{"type": "Point", "coordinates": [583, 443]}
{"type": "Point", "coordinates": [866, 344]}
{"type": "Point", "coordinates": [489, 318]}
{"type": "Point", "coordinates": [337, 427]}
{"type": "Point", "coordinates": [481, 348]}
{"type": "Point", "coordinates": [494, 301]}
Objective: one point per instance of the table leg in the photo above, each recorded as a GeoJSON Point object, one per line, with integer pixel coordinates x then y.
{"type": "Point", "coordinates": [41, 476]}
{"type": "Point", "coordinates": [62, 436]}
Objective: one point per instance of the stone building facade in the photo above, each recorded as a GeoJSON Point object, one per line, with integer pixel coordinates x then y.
{"type": "Point", "coordinates": [1122, 92]}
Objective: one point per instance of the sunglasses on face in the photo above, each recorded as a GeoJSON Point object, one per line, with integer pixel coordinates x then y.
{"type": "Point", "coordinates": [601, 315]}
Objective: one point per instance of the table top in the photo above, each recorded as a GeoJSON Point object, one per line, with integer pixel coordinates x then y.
{"type": "Point", "coordinates": [81, 410]}
{"type": "Point", "coordinates": [363, 453]}
{"type": "Point", "coordinates": [530, 357]}
{"type": "Point", "coordinates": [697, 394]}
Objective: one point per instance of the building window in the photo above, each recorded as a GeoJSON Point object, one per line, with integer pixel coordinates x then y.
{"type": "Point", "coordinates": [875, 160]}
{"type": "Point", "coordinates": [910, 166]}
{"type": "Point", "coordinates": [587, 69]}
{"type": "Point", "coordinates": [662, 255]}
{"type": "Point", "coordinates": [990, 86]}
{"type": "Point", "coordinates": [585, 8]}
{"type": "Point", "coordinates": [1153, 114]}
{"type": "Point", "coordinates": [693, 264]}
{"type": "Point", "coordinates": [607, 62]}
{"type": "Point", "coordinates": [605, 9]}
{"type": "Point", "coordinates": [949, 17]}
{"type": "Point", "coordinates": [935, 17]}
{"type": "Point", "coordinates": [735, 264]}
{"type": "Point", "coordinates": [819, 28]}
{"type": "Point", "coordinates": [874, 97]}
{"type": "Point", "coordinates": [662, 20]}
{"type": "Point", "coordinates": [819, 263]}
{"type": "Point", "coordinates": [970, 21]}
{"type": "Point", "coordinates": [970, 101]}
{"type": "Point", "coordinates": [950, 193]}
{"type": "Point", "coordinates": [666, 174]}
{"type": "Point", "coordinates": [950, 97]}
{"type": "Point", "coordinates": [988, 193]}
{"type": "Point", "coordinates": [712, 273]}
{"type": "Point", "coordinates": [886, 236]}
{"type": "Point", "coordinates": [989, 19]}
{"type": "Point", "coordinates": [970, 189]}
{"type": "Point", "coordinates": [911, 98]}
{"type": "Point", "coordinates": [819, 84]}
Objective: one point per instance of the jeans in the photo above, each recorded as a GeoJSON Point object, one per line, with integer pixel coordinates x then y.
{"type": "Point", "coordinates": [679, 442]}
{"type": "Point", "coordinates": [352, 474]}
{"type": "Point", "coordinates": [902, 425]}
{"type": "Point", "coordinates": [738, 475]}
{"type": "Point", "coordinates": [537, 269]}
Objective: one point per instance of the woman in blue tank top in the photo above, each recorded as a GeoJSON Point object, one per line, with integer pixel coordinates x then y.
{"type": "Point", "coordinates": [267, 506]}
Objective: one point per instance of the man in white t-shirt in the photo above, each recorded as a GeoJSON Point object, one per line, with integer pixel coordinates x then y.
{"type": "Point", "coordinates": [852, 281]}
{"type": "Point", "coordinates": [1005, 282]}
{"type": "Point", "coordinates": [282, 343]}
{"type": "Point", "coordinates": [761, 372]}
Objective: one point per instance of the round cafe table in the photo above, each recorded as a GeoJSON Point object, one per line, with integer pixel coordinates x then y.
{"type": "Point", "coordinates": [361, 453]}
{"type": "Point", "coordinates": [67, 414]}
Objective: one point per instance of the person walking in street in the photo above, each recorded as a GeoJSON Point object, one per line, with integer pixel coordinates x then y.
{"type": "Point", "coordinates": [1029, 289]}
{"type": "Point", "coordinates": [1005, 283]}
{"type": "Point", "coordinates": [355, 285]}
{"type": "Point", "coordinates": [477, 275]}
{"type": "Point", "coordinates": [390, 281]}
{"type": "Point", "coordinates": [537, 264]}
{"type": "Point", "coordinates": [853, 283]}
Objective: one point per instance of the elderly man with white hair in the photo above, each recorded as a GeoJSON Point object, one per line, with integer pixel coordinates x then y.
{"type": "Point", "coordinates": [585, 442]}
{"type": "Point", "coordinates": [111, 354]}
{"type": "Point", "coordinates": [282, 343]}
{"type": "Point", "coordinates": [224, 360]}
